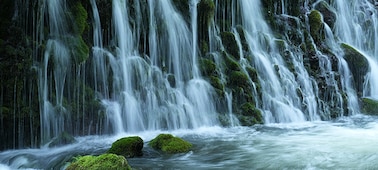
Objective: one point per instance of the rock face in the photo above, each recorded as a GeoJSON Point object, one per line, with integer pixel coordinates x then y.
{"type": "Point", "coordinates": [358, 65]}
{"type": "Point", "coordinates": [128, 147]}
{"type": "Point", "coordinates": [170, 144]}
{"type": "Point", "coordinates": [105, 161]}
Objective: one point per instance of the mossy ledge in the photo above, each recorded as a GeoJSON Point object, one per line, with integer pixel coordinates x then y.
{"type": "Point", "coordinates": [170, 144]}
{"type": "Point", "coordinates": [104, 161]}
{"type": "Point", "coordinates": [128, 147]}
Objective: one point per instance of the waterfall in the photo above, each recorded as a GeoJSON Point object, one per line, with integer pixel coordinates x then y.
{"type": "Point", "coordinates": [53, 114]}
{"type": "Point", "coordinates": [357, 25]}
{"type": "Point", "coordinates": [280, 102]}
{"type": "Point", "coordinates": [128, 66]}
{"type": "Point", "coordinates": [163, 90]}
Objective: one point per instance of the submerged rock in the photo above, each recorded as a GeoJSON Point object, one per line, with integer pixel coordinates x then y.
{"type": "Point", "coordinates": [63, 139]}
{"type": "Point", "coordinates": [105, 161]}
{"type": "Point", "coordinates": [128, 147]}
{"type": "Point", "coordinates": [170, 144]}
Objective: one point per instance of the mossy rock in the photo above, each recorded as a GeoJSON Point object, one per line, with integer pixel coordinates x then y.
{"type": "Point", "coordinates": [229, 43]}
{"type": "Point", "coordinates": [206, 10]}
{"type": "Point", "coordinates": [250, 115]}
{"type": "Point", "coordinates": [329, 16]}
{"type": "Point", "coordinates": [81, 50]}
{"type": "Point", "coordinates": [369, 106]}
{"type": "Point", "coordinates": [230, 63]}
{"type": "Point", "coordinates": [104, 161]}
{"type": "Point", "coordinates": [80, 16]}
{"type": "Point", "coordinates": [170, 144]}
{"type": "Point", "coordinates": [358, 65]}
{"type": "Point", "coordinates": [239, 79]}
{"type": "Point", "coordinates": [128, 147]}
{"type": "Point", "coordinates": [64, 138]}
{"type": "Point", "coordinates": [316, 23]}
{"type": "Point", "coordinates": [207, 66]}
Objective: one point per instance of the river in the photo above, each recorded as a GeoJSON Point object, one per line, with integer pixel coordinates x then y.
{"type": "Point", "coordinates": [345, 143]}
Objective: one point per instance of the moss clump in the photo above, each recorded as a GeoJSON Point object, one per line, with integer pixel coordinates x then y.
{"type": "Point", "coordinates": [105, 161]}
{"type": "Point", "coordinates": [328, 15]}
{"type": "Point", "coordinates": [250, 115]}
{"type": "Point", "coordinates": [128, 147]}
{"type": "Point", "coordinates": [231, 64]}
{"type": "Point", "coordinates": [229, 43]}
{"type": "Point", "coordinates": [170, 144]}
{"type": "Point", "coordinates": [239, 79]}
{"type": "Point", "coordinates": [208, 67]}
{"type": "Point", "coordinates": [81, 16]}
{"type": "Point", "coordinates": [206, 10]}
{"type": "Point", "coordinates": [358, 65]}
{"type": "Point", "coordinates": [369, 106]}
{"type": "Point", "coordinates": [81, 50]}
{"type": "Point", "coordinates": [316, 23]}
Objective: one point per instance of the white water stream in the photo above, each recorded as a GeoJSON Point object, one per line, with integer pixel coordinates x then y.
{"type": "Point", "coordinates": [346, 143]}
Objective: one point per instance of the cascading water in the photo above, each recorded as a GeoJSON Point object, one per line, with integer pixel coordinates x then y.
{"type": "Point", "coordinates": [53, 114]}
{"type": "Point", "coordinates": [151, 98]}
{"type": "Point", "coordinates": [170, 67]}
{"type": "Point", "coordinates": [357, 25]}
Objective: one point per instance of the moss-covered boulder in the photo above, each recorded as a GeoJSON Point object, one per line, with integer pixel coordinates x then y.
{"type": "Point", "coordinates": [316, 23]}
{"type": "Point", "coordinates": [369, 106]}
{"type": "Point", "coordinates": [358, 65]}
{"type": "Point", "coordinates": [229, 43]}
{"type": "Point", "coordinates": [207, 66]}
{"type": "Point", "coordinates": [128, 147]}
{"type": "Point", "coordinates": [250, 115]}
{"type": "Point", "coordinates": [105, 161]}
{"type": "Point", "coordinates": [329, 16]}
{"type": "Point", "coordinates": [170, 144]}
{"type": "Point", "coordinates": [63, 139]}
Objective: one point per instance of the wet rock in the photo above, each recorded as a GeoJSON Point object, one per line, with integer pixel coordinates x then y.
{"type": "Point", "coordinates": [105, 161]}
{"type": "Point", "coordinates": [170, 144]}
{"type": "Point", "coordinates": [369, 106]}
{"type": "Point", "coordinates": [128, 147]}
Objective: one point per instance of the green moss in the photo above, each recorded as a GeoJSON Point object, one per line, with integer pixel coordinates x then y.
{"type": "Point", "coordinates": [239, 79]}
{"type": "Point", "coordinates": [217, 84]}
{"type": "Point", "coordinates": [80, 16]}
{"type": "Point", "coordinates": [250, 115]}
{"type": "Point", "coordinates": [82, 50]}
{"type": "Point", "coordinates": [329, 16]}
{"type": "Point", "coordinates": [369, 106]}
{"type": "Point", "coordinates": [316, 23]}
{"type": "Point", "coordinates": [105, 161]}
{"type": "Point", "coordinates": [208, 67]}
{"type": "Point", "coordinates": [231, 64]}
{"type": "Point", "coordinates": [170, 144]}
{"type": "Point", "coordinates": [206, 10]}
{"type": "Point", "coordinates": [229, 43]}
{"type": "Point", "coordinates": [128, 147]}
{"type": "Point", "coordinates": [358, 65]}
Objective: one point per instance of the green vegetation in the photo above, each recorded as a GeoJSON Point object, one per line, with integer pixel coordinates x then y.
{"type": "Point", "coordinates": [229, 43]}
{"type": "Point", "coordinates": [250, 115]}
{"type": "Point", "coordinates": [105, 161]}
{"type": "Point", "coordinates": [369, 106]}
{"type": "Point", "coordinates": [128, 147]}
{"type": "Point", "coordinates": [316, 23]}
{"type": "Point", "coordinates": [358, 65]}
{"type": "Point", "coordinates": [170, 144]}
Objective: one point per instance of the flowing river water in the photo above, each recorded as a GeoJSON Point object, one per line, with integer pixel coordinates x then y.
{"type": "Point", "coordinates": [345, 143]}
